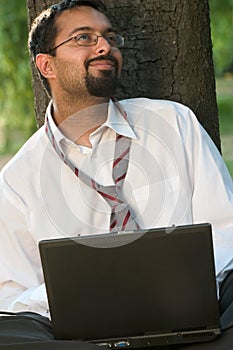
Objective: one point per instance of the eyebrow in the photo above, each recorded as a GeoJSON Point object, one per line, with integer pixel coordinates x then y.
{"type": "Point", "coordinates": [89, 29]}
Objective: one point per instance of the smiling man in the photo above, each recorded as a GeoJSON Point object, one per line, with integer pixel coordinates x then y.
{"type": "Point", "coordinates": [99, 166]}
{"type": "Point", "coordinates": [84, 61]}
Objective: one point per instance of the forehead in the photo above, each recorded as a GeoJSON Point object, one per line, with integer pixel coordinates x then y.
{"type": "Point", "coordinates": [81, 17]}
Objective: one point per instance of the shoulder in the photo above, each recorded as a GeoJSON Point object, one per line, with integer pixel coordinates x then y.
{"type": "Point", "coordinates": [155, 104]}
{"type": "Point", "coordinates": [27, 158]}
{"type": "Point", "coordinates": [154, 111]}
{"type": "Point", "coordinates": [160, 107]}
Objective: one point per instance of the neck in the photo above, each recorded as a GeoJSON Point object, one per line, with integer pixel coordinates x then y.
{"type": "Point", "coordinates": [78, 119]}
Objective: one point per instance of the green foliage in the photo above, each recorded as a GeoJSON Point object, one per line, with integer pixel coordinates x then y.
{"type": "Point", "coordinates": [221, 14]}
{"type": "Point", "coordinates": [225, 108]}
{"type": "Point", "coordinates": [16, 96]}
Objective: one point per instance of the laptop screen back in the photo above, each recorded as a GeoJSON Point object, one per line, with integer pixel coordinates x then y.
{"type": "Point", "coordinates": [163, 281]}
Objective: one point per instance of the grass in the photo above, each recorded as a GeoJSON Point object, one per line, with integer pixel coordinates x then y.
{"type": "Point", "coordinates": [225, 107]}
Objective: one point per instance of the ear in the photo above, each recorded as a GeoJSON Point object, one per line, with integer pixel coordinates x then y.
{"type": "Point", "coordinates": [44, 64]}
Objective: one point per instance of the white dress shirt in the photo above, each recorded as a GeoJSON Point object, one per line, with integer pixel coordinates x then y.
{"type": "Point", "coordinates": [175, 176]}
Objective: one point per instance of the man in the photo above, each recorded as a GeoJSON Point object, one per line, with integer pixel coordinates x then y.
{"type": "Point", "coordinates": [57, 185]}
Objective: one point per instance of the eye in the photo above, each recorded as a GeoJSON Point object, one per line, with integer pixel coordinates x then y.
{"type": "Point", "coordinates": [112, 39]}
{"type": "Point", "coordinates": [85, 38]}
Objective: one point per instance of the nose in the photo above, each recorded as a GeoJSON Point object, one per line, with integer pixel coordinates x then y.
{"type": "Point", "coordinates": [103, 46]}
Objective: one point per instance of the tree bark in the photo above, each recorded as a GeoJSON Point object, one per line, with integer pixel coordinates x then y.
{"type": "Point", "coordinates": [167, 55]}
{"type": "Point", "coordinates": [41, 99]}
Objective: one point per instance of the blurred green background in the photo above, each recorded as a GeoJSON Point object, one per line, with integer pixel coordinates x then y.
{"type": "Point", "coordinates": [17, 119]}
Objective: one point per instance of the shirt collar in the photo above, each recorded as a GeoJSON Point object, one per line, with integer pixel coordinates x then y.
{"type": "Point", "coordinates": [116, 120]}
{"type": "Point", "coordinates": [55, 130]}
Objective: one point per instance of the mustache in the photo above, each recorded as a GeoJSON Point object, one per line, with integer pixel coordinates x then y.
{"type": "Point", "coordinates": [102, 58]}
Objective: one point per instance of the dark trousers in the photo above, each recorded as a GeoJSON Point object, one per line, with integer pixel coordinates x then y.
{"type": "Point", "coordinates": [31, 331]}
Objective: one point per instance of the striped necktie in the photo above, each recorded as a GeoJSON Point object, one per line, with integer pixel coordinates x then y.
{"type": "Point", "coordinates": [121, 219]}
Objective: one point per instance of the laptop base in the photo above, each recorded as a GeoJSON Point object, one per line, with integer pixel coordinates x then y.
{"type": "Point", "coordinates": [155, 340]}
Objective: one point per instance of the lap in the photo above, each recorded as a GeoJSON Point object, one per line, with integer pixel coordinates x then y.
{"type": "Point", "coordinates": [26, 330]}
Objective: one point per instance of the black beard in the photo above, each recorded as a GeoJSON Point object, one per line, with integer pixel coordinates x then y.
{"type": "Point", "coordinates": [104, 86]}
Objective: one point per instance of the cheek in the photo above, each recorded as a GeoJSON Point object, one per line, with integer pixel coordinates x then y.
{"type": "Point", "coordinates": [80, 59]}
{"type": "Point", "coordinates": [118, 56]}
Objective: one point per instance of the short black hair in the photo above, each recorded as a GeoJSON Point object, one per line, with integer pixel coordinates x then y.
{"type": "Point", "coordinates": [44, 30]}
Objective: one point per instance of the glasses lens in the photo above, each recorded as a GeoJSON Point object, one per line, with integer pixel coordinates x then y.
{"type": "Point", "coordinates": [91, 39]}
{"type": "Point", "coordinates": [115, 40]}
{"type": "Point", "coordinates": [86, 39]}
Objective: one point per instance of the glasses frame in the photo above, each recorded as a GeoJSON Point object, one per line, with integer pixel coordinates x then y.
{"type": "Point", "coordinates": [95, 43]}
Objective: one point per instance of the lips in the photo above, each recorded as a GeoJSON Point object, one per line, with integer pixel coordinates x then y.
{"type": "Point", "coordinates": [103, 64]}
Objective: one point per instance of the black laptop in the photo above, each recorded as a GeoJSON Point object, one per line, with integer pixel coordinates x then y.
{"type": "Point", "coordinates": [133, 290]}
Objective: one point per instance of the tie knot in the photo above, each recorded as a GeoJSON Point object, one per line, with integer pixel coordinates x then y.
{"type": "Point", "coordinates": [111, 194]}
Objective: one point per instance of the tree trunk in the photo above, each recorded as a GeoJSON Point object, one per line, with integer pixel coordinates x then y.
{"type": "Point", "coordinates": [167, 55]}
{"type": "Point", "coordinates": [41, 98]}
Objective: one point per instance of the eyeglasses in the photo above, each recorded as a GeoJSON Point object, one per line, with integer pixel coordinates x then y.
{"type": "Point", "coordinates": [90, 39]}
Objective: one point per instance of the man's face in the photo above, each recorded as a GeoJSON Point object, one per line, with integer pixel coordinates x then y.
{"type": "Point", "coordinates": [86, 70]}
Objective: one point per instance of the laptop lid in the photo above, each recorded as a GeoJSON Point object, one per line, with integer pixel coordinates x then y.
{"type": "Point", "coordinates": [133, 289]}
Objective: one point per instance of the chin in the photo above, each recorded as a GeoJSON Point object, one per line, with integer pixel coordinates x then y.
{"type": "Point", "coordinates": [102, 87]}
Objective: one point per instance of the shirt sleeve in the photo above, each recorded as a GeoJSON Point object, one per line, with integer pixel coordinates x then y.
{"type": "Point", "coordinates": [33, 299]}
{"type": "Point", "coordinates": [212, 199]}
{"type": "Point", "coordinates": [21, 278]}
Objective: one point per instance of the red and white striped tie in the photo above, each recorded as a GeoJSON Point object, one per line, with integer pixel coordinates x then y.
{"type": "Point", "coordinates": [121, 219]}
